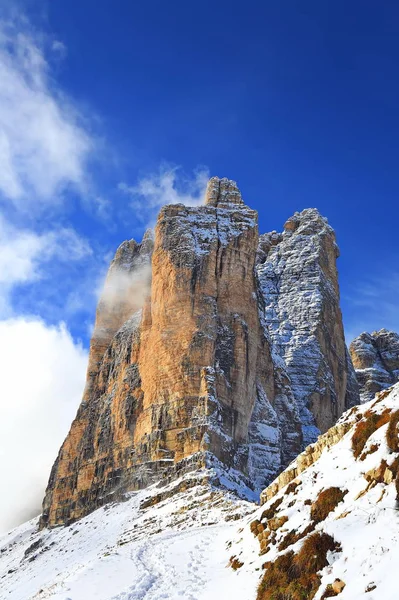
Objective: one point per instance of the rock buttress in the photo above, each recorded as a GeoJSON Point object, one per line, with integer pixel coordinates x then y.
{"type": "Point", "coordinates": [90, 463]}
{"type": "Point", "coordinates": [375, 357]}
{"type": "Point", "coordinates": [299, 280]}
{"type": "Point", "coordinates": [187, 379]}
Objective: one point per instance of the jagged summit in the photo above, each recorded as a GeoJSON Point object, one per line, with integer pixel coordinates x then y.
{"type": "Point", "coordinates": [375, 357]}
{"type": "Point", "coordinates": [222, 191]}
{"type": "Point", "coordinates": [210, 343]}
{"type": "Point", "coordinates": [310, 222]}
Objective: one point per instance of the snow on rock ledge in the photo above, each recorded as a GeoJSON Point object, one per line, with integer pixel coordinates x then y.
{"type": "Point", "coordinates": [343, 488]}
{"type": "Point", "coordinates": [299, 280]}
{"type": "Point", "coordinates": [375, 357]}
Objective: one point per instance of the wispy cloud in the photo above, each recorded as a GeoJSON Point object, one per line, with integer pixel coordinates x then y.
{"type": "Point", "coordinates": [48, 271]}
{"type": "Point", "coordinates": [25, 256]}
{"type": "Point", "coordinates": [59, 48]}
{"type": "Point", "coordinates": [372, 304]}
{"type": "Point", "coordinates": [44, 143]}
{"type": "Point", "coordinates": [170, 185]}
{"type": "Point", "coordinates": [46, 150]}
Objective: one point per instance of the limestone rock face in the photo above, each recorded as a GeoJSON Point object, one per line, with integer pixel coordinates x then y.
{"type": "Point", "coordinates": [222, 352]}
{"type": "Point", "coordinates": [375, 357]}
{"type": "Point", "coordinates": [202, 322]}
{"type": "Point", "coordinates": [191, 376]}
{"type": "Point", "coordinates": [299, 281]}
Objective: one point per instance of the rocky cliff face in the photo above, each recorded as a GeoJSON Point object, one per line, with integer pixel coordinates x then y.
{"type": "Point", "coordinates": [225, 361]}
{"type": "Point", "coordinates": [299, 281]}
{"type": "Point", "coordinates": [375, 357]}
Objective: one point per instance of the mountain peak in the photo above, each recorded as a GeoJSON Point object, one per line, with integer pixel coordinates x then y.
{"type": "Point", "coordinates": [222, 191]}
{"type": "Point", "coordinates": [309, 221]}
{"type": "Point", "coordinates": [187, 365]}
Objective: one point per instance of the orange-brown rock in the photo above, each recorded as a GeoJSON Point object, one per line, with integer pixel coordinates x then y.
{"type": "Point", "coordinates": [189, 379]}
{"type": "Point", "coordinates": [126, 286]}
{"type": "Point", "coordinates": [200, 377]}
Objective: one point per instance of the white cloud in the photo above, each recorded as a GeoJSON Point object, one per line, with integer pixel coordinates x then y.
{"type": "Point", "coordinates": [59, 48]}
{"type": "Point", "coordinates": [134, 287]}
{"type": "Point", "coordinates": [43, 373]}
{"type": "Point", "coordinates": [168, 186]}
{"type": "Point", "coordinates": [45, 149]}
{"type": "Point", "coordinates": [44, 146]}
{"type": "Point", "coordinates": [24, 255]}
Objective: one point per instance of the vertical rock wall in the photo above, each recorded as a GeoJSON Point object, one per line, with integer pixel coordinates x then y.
{"type": "Point", "coordinates": [225, 360]}
{"type": "Point", "coordinates": [168, 387]}
{"type": "Point", "coordinates": [299, 280]}
{"type": "Point", "coordinates": [202, 325]}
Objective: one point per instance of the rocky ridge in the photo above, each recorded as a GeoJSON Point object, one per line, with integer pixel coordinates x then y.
{"type": "Point", "coordinates": [210, 367]}
{"type": "Point", "coordinates": [375, 357]}
{"type": "Point", "coordinates": [337, 504]}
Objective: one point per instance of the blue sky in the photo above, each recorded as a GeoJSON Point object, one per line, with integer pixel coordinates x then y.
{"type": "Point", "coordinates": [110, 109]}
{"type": "Point", "coordinates": [296, 101]}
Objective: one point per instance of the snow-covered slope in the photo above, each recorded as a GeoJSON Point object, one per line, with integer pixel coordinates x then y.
{"type": "Point", "coordinates": [161, 543]}
{"type": "Point", "coordinates": [329, 521]}
{"type": "Point", "coordinates": [342, 486]}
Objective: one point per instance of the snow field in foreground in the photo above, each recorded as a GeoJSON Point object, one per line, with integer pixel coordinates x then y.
{"type": "Point", "coordinates": [174, 550]}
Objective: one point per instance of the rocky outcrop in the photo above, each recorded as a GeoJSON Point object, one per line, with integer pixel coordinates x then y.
{"type": "Point", "coordinates": [214, 361]}
{"type": "Point", "coordinates": [191, 376]}
{"type": "Point", "coordinates": [375, 357]}
{"type": "Point", "coordinates": [307, 458]}
{"type": "Point", "coordinates": [299, 281]}
{"type": "Point", "coordinates": [338, 495]}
